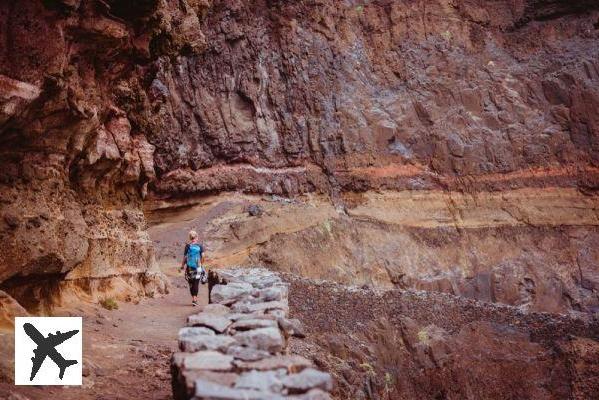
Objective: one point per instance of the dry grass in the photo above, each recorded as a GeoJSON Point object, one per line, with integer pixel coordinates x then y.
{"type": "Point", "coordinates": [109, 303]}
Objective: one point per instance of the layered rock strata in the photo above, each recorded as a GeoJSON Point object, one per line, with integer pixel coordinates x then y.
{"type": "Point", "coordinates": [236, 348]}
{"type": "Point", "coordinates": [537, 249]}
{"type": "Point", "coordinates": [107, 105]}
{"type": "Point", "coordinates": [459, 138]}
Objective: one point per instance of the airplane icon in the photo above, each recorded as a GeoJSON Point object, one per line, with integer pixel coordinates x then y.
{"type": "Point", "coordinates": [46, 347]}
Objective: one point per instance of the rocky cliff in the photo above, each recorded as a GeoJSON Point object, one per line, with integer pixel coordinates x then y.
{"type": "Point", "coordinates": [448, 145]}
{"type": "Point", "coordinates": [455, 144]}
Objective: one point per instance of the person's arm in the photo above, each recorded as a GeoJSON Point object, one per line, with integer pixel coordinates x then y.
{"type": "Point", "coordinates": [184, 262]}
{"type": "Point", "coordinates": [203, 257]}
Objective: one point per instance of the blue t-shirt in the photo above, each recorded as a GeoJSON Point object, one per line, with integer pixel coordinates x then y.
{"type": "Point", "coordinates": [193, 255]}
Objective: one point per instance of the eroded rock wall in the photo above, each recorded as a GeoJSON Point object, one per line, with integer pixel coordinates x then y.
{"type": "Point", "coordinates": [111, 106]}
{"type": "Point", "coordinates": [73, 168]}
{"type": "Point", "coordinates": [383, 94]}
{"type": "Point", "coordinates": [475, 118]}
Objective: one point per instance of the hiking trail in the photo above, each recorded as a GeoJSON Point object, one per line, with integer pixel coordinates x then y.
{"type": "Point", "coordinates": [126, 351]}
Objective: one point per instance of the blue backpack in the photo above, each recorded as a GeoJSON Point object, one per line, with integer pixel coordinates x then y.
{"type": "Point", "coordinates": [193, 255]}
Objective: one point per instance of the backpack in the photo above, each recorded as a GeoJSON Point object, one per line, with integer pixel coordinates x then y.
{"type": "Point", "coordinates": [194, 254]}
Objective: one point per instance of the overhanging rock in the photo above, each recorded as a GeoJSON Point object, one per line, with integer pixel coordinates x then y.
{"type": "Point", "coordinates": [236, 348]}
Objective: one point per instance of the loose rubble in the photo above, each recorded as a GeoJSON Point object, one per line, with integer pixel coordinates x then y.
{"type": "Point", "coordinates": [236, 347]}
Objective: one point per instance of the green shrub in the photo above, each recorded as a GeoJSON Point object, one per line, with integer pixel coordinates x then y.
{"type": "Point", "coordinates": [109, 303]}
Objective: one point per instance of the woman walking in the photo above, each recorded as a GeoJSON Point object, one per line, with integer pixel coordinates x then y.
{"type": "Point", "coordinates": [193, 258]}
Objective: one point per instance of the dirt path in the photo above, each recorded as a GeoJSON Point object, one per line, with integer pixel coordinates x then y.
{"type": "Point", "coordinates": [126, 351]}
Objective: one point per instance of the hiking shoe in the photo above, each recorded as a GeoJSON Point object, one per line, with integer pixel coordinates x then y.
{"type": "Point", "coordinates": [193, 303]}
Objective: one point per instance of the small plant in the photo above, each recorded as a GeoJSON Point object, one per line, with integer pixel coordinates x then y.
{"type": "Point", "coordinates": [389, 383]}
{"type": "Point", "coordinates": [109, 303]}
{"type": "Point", "coordinates": [328, 226]}
{"type": "Point", "coordinates": [423, 337]}
{"type": "Point", "coordinates": [369, 369]}
{"type": "Point", "coordinates": [360, 8]}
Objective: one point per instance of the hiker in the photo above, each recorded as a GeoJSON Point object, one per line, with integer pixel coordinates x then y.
{"type": "Point", "coordinates": [193, 258]}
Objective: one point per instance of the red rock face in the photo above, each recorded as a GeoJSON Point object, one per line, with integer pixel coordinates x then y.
{"type": "Point", "coordinates": [444, 89]}
{"type": "Point", "coordinates": [74, 169]}
{"type": "Point", "coordinates": [105, 104]}
{"type": "Point", "coordinates": [444, 145]}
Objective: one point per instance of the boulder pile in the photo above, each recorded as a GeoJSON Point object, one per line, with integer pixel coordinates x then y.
{"type": "Point", "coordinates": [236, 348]}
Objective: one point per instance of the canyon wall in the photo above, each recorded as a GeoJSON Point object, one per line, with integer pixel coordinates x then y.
{"type": "Point", "coordinates": [455, 144]}
{"type": "Point", "coordinates": [349, 96]}
{"type": "Point", "coordinates": [448, 145]}
{"type": "Point", "coordinates": [73, 169]}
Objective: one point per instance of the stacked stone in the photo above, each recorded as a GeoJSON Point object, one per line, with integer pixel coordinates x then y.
{"type": "Point", "coordinates": [236, 347]}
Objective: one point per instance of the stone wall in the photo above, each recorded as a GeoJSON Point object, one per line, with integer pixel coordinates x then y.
{"type": "Point", "coordinates": [236, 348]}
{"type": "Point", "coordinates": [452, 313]}
{"type": "Point", "coordinates": [407, 344]}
